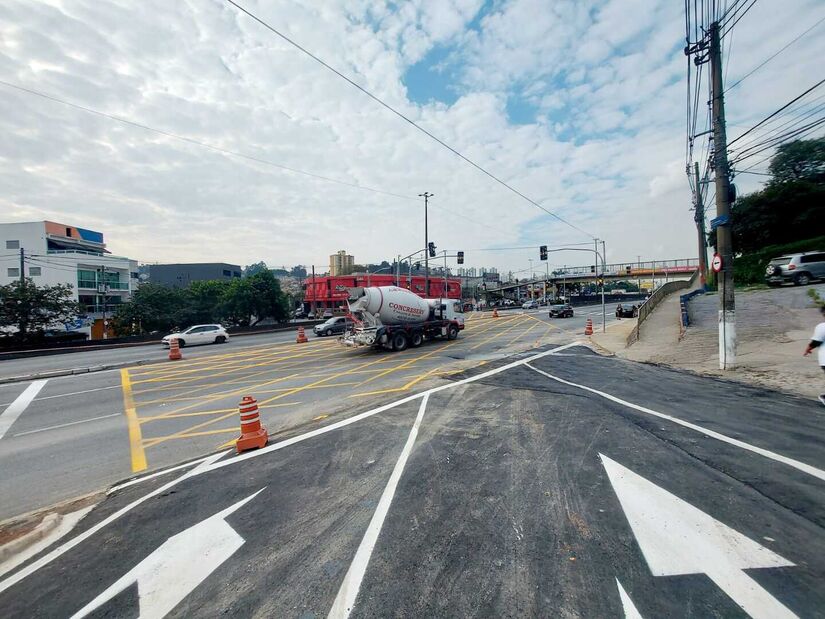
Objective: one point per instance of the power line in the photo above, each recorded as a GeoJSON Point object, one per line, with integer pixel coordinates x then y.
{"type": "Point", "coordinates": [767, 118]}
{"type": "Point", "coordinates": [767, 60]}
{"type": "Point", "coordinates": [729, 28]}
{"type": "Point", "coordinates": [785, 137]}
{"type": "Point", "coordinates": [403, 116]}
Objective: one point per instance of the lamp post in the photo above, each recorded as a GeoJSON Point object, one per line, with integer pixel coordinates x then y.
{"type": "Point", "coordinates": [426, 195]}
{"type": "Point", "coordinates": [374, 272]}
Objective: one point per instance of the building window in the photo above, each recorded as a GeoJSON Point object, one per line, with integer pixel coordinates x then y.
{"type": "Point", "coordinates": [68, 232]}
{"type": "Point", "coordinates": [13, 272]}
{"type": "Point", "coordinates": [236, 273]}
{"type": "Point", "coordinates": [34, 271]}
{"type": "Point", "coordinates": [227, 273]}
{"type": "Point", "coordinates": [12, 244]}
{"type": "Point", "coordinates": [86, 278]}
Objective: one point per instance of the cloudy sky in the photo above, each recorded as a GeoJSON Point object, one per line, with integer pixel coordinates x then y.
{"type": "Point", "coordinates": [579, 105]}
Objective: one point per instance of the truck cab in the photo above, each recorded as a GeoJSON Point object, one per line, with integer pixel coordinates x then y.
{"type": "Point", "coordinates": [448, 309]}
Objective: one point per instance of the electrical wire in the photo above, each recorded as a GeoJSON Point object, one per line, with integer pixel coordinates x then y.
{"type": "Point", "coordinates": [771, 57]}
{"type": "Point", "coordinates": [724, 28]}
{"type": "Point", "coordinates": [403, 116]}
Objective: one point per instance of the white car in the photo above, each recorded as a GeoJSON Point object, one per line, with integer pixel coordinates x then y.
{"type": "Point", "coordinates": [530, 305]}
{"type": "Point", "coordinates": [199, 334]}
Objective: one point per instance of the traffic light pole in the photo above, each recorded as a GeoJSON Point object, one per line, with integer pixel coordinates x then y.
{"type": "Point", "coordinates": [595, 251]}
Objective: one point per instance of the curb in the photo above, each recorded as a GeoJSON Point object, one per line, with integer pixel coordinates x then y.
{"type": "Point", "coordinates": [72, 371]}
{"type": "Point", "coordinates": [46, 526]}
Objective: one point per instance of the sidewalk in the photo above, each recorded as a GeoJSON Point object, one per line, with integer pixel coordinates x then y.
{"type": "Point", "coordinates": [773, 327]}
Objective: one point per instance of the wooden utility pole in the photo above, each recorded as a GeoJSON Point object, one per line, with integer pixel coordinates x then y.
{"type": "Point", "coordinates": [724, 245]}
{"type": "Point", "coordinates": [699, 217]}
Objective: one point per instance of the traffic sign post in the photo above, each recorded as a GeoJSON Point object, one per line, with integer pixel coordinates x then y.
{"type": "Point", "coordinates": [716, 263]}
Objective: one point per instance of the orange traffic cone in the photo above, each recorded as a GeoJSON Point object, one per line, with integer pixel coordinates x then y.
{"type": "Point", "coordinates": [588, 327]}
{"type": "Point", "coordinates": [174, 350]}
{"type": "Point", "coordinates": [253, 435]}
{"type": "Point", "coordinates": [302, 337]}
{"type": "Point", "coordinates": [495, 313]}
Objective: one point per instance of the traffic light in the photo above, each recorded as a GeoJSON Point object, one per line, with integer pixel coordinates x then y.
{"type": "Point", "coordinates": [431, 249]}
{"type": "Point", "coordinates": [592, 268]}
{"type": "Point", "coordinates": [543, 252]}
{"type": "Point", "coordinates": [460, 257]}
{"type": "Point", "coordinates": [627, 269]}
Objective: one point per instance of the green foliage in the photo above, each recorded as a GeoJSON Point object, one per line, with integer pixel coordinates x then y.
{"type": "Point", "coordinates": [792, 204]}
{"type": "Point", "coordinates": [31, 309]}
{"type": "Point", "coordinates": [252, 269]}
{"type": "Point", "coordinates": [750, 268]}
{"type": "Point", "coordinates": [244, 302]}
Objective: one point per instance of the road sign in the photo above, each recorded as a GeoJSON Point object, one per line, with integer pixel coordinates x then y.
{"type": "Point", "coordinates": [676, 539]}
{"type": "Point", "coordinates": [716, 263]}
{"type": "Point", "coordinates": [722, 220]}
{"type": "Point", "coordinates": [177, 566]}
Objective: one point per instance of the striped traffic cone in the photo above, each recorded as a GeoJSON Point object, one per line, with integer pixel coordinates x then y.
{"type": "Point", "coordinates": [174, 350]}
{"type": "Point", "coordinates": [495, 313]}
{"type": "Point", "coordinates": [588, 327]}
{"type": "Point", "coordinates": [253, 435]}
{"type": "Point", "coordinates": [302, 337]}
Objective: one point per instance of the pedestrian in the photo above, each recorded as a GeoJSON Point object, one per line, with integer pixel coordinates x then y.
{"type": "Point", "coordinates": [817, 340]}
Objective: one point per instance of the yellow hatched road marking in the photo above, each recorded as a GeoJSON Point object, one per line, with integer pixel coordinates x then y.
{"type": "Point", "coordinates": [499, 334]}
{"type": "Point", "coordinates": [207, 413]}
{"type": "Point", "coordinates": [204, 433]}
{"type": "Point", "coordinates": [135, 443]}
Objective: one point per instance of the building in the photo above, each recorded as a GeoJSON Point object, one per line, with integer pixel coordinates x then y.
{"type": "Point", "coordinates": [341, 263]}
{"type": "Point", "coordinates": [54, 253]}
{"type": "Point", "coordinates": [183, 274]}
{"type": "Point", "coordinates": [329, 292]}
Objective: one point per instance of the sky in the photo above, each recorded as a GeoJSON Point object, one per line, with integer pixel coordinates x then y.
{"type": "Point", "coordinates": [578, 105]}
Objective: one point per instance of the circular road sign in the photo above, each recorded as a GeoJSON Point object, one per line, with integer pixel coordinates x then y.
{"type": "Point", "coordinates": [716, 263]}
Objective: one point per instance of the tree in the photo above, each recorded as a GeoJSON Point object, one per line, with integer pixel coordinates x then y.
{"type": "Point", "coordinates": [252, 269]}
{"type": "Point", "coordinates": [31, 309]}
{"type": "Point", "coordinates": [206, 300]}
{"type": "Point", "coordinates": [802, 160]}
{"type": "Point", "coordinates": [154, 307]}
{"type": "Point", "coordinates": [252, 299]}
{"type": "Point", "coordinates": [298, 271]}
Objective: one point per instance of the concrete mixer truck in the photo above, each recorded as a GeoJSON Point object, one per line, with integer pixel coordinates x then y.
{"type": "Point", "coordinates": [395, 318]}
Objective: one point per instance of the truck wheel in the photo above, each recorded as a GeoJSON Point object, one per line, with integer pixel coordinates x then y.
{"type": "Point", "coordinates": [399, 342]}
{"type": "Point", "coordinates": [452, 332]}
{"type": "Point", "coordinates": [417, 339]}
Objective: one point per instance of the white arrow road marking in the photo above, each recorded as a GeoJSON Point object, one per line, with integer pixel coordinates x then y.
{"type": "Point", "coordinates": [345, 600]}
{"type": "Point", "coordinates": [177, 566]}
{"type": "Point", "coordinates": [677, 538]}
{"type": "Point", "coordinates": [800, 466]}
{"type": "Point", "coordinates": [629, 607]}
{"type": "Point", "coordinates": [16, 408]}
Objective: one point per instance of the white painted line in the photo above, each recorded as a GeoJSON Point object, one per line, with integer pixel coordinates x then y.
{"type": "Point", "coordinates": [211, 463]}
{"type": "Point", "coordinates": [72, 393]}
{"type": "Point", "coordinates": [801, 466]}
{"type": "Point", "coordinates": [348, 592]}
{"type": "Point", "coordinates": [630, 611]}
{"type": "Point", "coordinates": [64, 425]}
{"type": "Point", "coordinates": [82, 537]}
{"type": "Point", "coordinates": [677, 539]}
{"type": "Point", "coordinates": [143, 478]}
{"type": "Point", "coordinates": [16, 408]}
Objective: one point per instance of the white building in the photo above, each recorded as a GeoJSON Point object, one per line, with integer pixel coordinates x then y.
{"type": "Point", "coordinates": [55, 253]}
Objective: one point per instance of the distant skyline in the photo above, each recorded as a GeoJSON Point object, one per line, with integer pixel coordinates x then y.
{"type": "Point", "coordinates": [579, 105]}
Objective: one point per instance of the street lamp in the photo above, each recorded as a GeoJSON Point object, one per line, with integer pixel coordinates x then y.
{"type": "Point", "coordinates": [426, 195]}
{"type": "Point", "coordinates": [374, 272]}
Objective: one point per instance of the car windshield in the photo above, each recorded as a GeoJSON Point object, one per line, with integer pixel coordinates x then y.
{"type": "Point", "coordinates": [558, 307]}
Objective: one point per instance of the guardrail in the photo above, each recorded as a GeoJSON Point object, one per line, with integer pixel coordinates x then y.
{"type": "Point", "coordinates": [683, 303]}
{"type": "Point", "coordinates": [646, 308]}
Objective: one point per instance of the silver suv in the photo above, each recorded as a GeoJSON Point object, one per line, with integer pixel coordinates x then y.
{"type": "Point", "coordinates": [797, 268]}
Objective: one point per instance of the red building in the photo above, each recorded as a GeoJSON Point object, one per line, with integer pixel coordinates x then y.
{"type": "Point", "coordinates": [331, 292]}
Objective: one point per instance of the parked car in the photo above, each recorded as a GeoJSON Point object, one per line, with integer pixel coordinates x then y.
{"type": "Point", "coordinates": [335, 325]}
{"type": "Point", "coordinates": [797, 268]}
{"type": "Point", "coordinates": [530, 305]}
{"type": "Point", "coordinates": [198, 334]}
{"type": "Point", "coordinates": [562, 310]}
{"type": "Point", "coordinates": [328, 313]}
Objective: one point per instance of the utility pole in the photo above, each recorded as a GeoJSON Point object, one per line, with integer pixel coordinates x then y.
{"type": "Point", "coordinates": [102, 286]}
{"type": "Point", "coordinates": [699, 217]}
{"type": "Point", "coordinates": [22, 267]}
{"type": "Point", "coordinates": [314, 293]}
{"type": "Point", "coordinates": [724, 245]}
{"type": "Point", "coordinates": [426, 195]}
{"type": "Point", "coordinates": [604, 268]}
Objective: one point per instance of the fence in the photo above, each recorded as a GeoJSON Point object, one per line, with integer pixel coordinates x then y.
{"type": "Point", "coordinates": [646, 308]}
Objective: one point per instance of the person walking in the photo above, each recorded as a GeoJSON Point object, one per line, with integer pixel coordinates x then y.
{"type": "Point", "coordinates": [818, 341]}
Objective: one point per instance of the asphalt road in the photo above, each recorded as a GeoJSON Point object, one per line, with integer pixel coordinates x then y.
{"type": "Point", "coordinates": [556, 483]}
{"type": "Point", "coordinates": [79, 434]}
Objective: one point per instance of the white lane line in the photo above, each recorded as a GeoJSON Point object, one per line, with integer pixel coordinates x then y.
{"type": "Point", "coordinates": [31, 568]}
{"type": "Point", "coordinates": [630, 611]}
{"type": "Point", "coordinates": [71, 393]}
{"type": "Point", "coordinates": [64, 425]}
{"type": "Point", "coordinates": [801, 466]}
{"type": "Point", "coordinates": [345, 600]}
{"type": "Point", "coordinates": [211, 463]}
{"type": "Point", "coordinates": [16, 408]}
